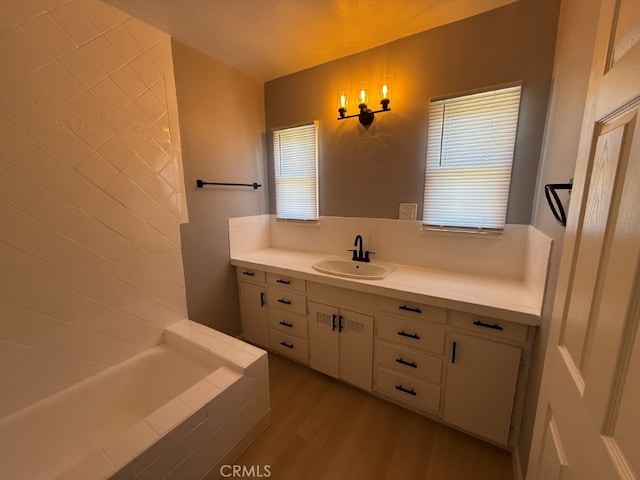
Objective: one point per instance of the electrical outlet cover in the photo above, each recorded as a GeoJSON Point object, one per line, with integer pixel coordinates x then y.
{"type": "Point", "coordinates": [408, 211]}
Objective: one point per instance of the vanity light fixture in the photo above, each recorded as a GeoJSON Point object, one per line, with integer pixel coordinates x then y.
{"type": "Point", "coordinates": [365, 115]}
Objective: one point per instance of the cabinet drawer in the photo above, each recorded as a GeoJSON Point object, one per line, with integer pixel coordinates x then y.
{"type": "Point", "coordinates": [289, 324]}
{"type": "Point", "coordinates": [408, 390]}
{"type": "Point", "coordinates": [287, 283]}
{"type": "Point", "coordinates": [250, 275]}
{"type": "Point", "coordinates": [288, 345]}
{"type": "Point", "coordinates": [421, 335]}
{"type": "Point", "coordinates": [489, 326]}
{"type": "Point", "coordinates": [287, 301]}
{"type": "Point", "coordinates": [413, 310]}
{"type": "Point", "coordinates": [409, 362]}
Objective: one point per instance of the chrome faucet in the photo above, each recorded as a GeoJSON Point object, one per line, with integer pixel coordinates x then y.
{"type": "Point", "coordinates": [358, 254]}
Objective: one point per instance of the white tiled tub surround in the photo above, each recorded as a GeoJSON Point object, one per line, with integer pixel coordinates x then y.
{"type": "Point", "coordinates": [520, 254]}
{"type": "Point", "coordinates": [91, 194]}
{"type": "Point", "coordinates": [178, 410]}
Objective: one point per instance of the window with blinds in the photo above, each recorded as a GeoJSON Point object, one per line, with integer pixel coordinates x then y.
{"type": "Point", "coordinates": [471, 140]}
{"type": "Point", "coordinates": [295, 161]}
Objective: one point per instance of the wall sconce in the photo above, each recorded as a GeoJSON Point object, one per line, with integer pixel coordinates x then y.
{"type": "Point", "coordinates": [366, 115]}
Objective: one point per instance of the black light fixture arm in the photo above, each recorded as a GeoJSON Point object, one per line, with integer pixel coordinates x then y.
{"type": "Point", "coordinates": [365, 112]}
{"type": "Point", "coordinates": [365, 115]}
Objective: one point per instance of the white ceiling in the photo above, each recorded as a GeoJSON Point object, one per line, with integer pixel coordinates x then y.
{"type": "Point", "coordinates": [272, 38]}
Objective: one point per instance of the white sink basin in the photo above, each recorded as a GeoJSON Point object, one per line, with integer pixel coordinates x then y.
{"type": "Point", "coordinates": [351, 269]}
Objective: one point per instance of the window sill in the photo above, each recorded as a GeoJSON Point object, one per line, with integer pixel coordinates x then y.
{"type": "Point", "coordinates": [295, 221]}
{"type": "Point", "coordinates": [464, 231]}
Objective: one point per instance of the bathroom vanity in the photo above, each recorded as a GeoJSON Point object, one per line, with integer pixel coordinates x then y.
{"type": "Point", "coordinates": [451, 344]}
{"type": "Point", "coordinates": [443, 358]}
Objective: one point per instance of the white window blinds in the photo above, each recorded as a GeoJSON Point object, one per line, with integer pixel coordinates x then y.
{"type": "Point", "coordinates": [295, 161]}
{"type": "Point", "coordinates": [470, 147]}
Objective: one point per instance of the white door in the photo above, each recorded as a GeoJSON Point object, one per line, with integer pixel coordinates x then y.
{"type": "Point", "coordinates": [481, 384]}
{"type": "Point", "coordinates": [253, 313]}
{"type": "Point", "coordinates": [324, 339]}
{"type": "Point", "coordinates": [588, 418]}
{"type": "Point", "coordinates": [356, 348]}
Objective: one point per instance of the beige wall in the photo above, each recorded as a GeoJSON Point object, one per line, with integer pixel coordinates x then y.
{"type": "Point", "coordinates": [368, 172]}
{"type": "Point", "coordinates": [576, 37]}
{"type": "Point", "coordinates": [90, 188]}
{"type": "Point", "coordinates": [222, 122]}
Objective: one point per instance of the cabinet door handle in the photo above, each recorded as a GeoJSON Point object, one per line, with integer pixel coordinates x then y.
{"type": "Point", "coordinates": [410, 309]}
{"type": "Point", "coordinates": [286, 302]}
{"type": "Point", "coordinates": [285, 344]}
{"type": "Point", "coordinates": [333, 322]}
{"type": "Point", "coordinates": [404, 362]}
{"type": "Point", "coordinates": [406, 390]}
{"type": "Point", "coordinates": [340, 326]}
{"type": "Point", "coordinates": [283, 281]}
{"type": "Point", "coordinates": [415, 336]}
{"type": "Point", "coordinates": [453, 352]}
{"type": "Point", "coordinates": [262, 302]}
{"type": "Point", "coordinates": [286, 324]}
{"type": "Point", "coordinates": [248, 274]}
{"type": "Point", "coordinates": [494, 326]}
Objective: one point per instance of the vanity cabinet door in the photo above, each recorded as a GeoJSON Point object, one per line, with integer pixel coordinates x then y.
{"type": "Point", "coordinates": [481, 384]}
{"type": "Point", "coordinates": [341, 344]}
{"type": "Point", "coordinates": [324, 342]}
{"type": "Point", "coordinates": [253, 313]}
{"type": "Point", "coordinates": [356, 348]}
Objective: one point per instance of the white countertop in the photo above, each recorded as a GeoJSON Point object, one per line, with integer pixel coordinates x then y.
{"type": "Point", "coordinates": [501, 298]}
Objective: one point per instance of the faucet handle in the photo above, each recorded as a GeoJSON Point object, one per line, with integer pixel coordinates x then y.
{"type": "Point", "coordinates": [366, 255]}
{"type": "Point", "coordinates": [355, 254]}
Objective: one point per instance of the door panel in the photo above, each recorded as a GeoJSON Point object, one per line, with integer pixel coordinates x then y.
{"type": "Point", "coordinates": [626, 33]}
{"type": "Point", "coordinates": [356, 349]}
{"type": "Point", "coordinates": [626, 428]}
{"type": "Point", "coordinates": [614, 328]}
{"type": "Point", "coordinates": [324, 340]}
{"type": "Point", "coordinates": [590, 249]}
{"type": "Point", "coordinates": [481, 383]}
{"type": "Point", "coordinates": [253, 312]}
{"type": "Point", "coordinates": [553, 459]}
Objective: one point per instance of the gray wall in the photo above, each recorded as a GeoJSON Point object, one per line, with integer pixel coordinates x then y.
{"type": "Point", "coordinates": [221, 113]}
{"type": "Point", "coordinates": [368, 172]}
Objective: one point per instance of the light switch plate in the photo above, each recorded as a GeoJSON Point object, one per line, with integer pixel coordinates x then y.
{"type": "Point", "coordinates": [408, 211]}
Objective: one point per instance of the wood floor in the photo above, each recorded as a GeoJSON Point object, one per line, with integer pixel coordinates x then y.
{"type": "Point", "coordinates": [324, 429]}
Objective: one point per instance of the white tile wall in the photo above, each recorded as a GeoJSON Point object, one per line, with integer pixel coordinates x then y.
{"type": "Point", "coordinates": [91, 193]}
{"type": "Point", "coordinates": [394, 241]}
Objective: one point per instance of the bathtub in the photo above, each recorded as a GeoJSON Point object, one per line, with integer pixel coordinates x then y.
{"type": "Point", "coordinates": [180, 409]}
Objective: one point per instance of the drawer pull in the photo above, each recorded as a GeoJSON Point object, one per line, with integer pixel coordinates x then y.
{"type": "Point", "coordinates": [404, 362]}
{"type": "Point", "coordinates": [406, 390]}
{"type": "Point", "coordinates": [333, 322]}
{"type": "Point", "coordinates": [495, 326]}
{"type": "Point", "coordinates": [415, 336]}
{"type": "Point", "coordinates": [286, 302]}
{"type": "Point", "coordinates": [285, 344]}
{"type": "Point", "coordinates": [286, 324]}
{"type": "Point", "coordinates": [285, 282]}
{"type": "Point", "coordinates": [340, 325]}
{"type": "Point", "coordinates": [262, 302]}
{"type": "Point", "coordinates": [248, 274]}
{"type": "Point", "coordinates": [410, 309]}
{"type": "Point", "coordinates": [453, 352]}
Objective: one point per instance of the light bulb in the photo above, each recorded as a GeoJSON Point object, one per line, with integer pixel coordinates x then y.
{"type": "Point", "coordinates": [363, 96]}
